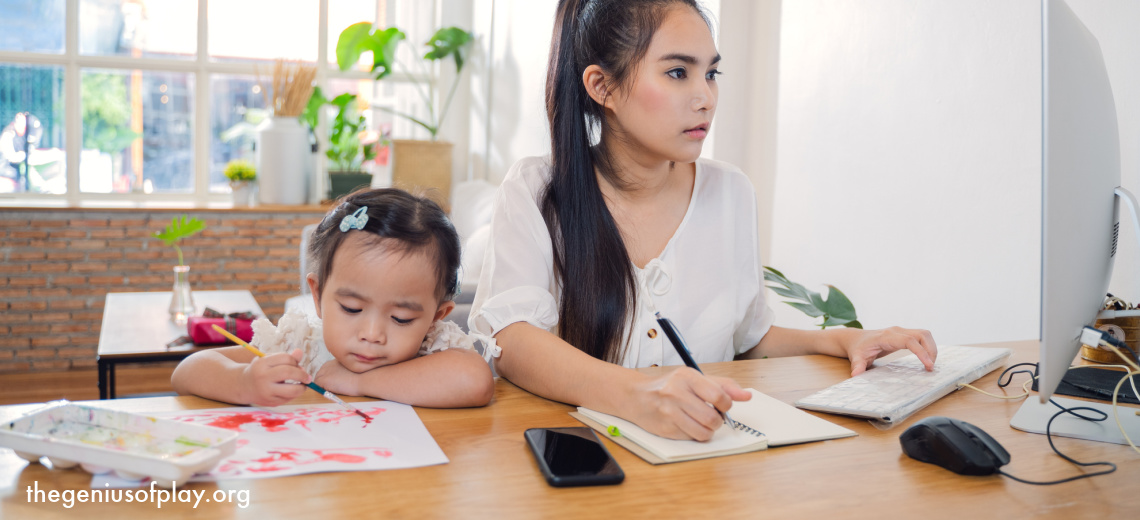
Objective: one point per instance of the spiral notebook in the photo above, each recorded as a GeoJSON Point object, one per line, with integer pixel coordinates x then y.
{"type": "Point", "coordinates": [766, 422]}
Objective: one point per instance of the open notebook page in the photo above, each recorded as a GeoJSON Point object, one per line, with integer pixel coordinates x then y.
{"type": "Point", "coordinates": [780, 423]}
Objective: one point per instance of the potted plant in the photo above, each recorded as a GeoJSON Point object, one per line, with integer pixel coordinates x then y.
{"type": "Point", "coordinates": [348, 146]}
{"type": "Point", "coordinates": [181, 301]}
{"type": "Point", "coordinates": [241, 174]}
{"type": "Point", "coordinates": [414, 163]}
{"type": "Point", "coordinates": [835, 310]}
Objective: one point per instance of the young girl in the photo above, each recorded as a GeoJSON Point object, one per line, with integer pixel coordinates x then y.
{"type": "Point", "coordinates": [385, 272]}
{"type": "Point", "coordinates": [624, 220]}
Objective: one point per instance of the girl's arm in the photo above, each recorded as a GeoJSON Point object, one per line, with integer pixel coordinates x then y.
{"type": "Point", "coordinates": [674, 405]}
{"type": "Point", "coordinates": [453, 378]}
{"type": "Point", "coordinates": [862, 347]}
{"type": "Point", "coordinates": [235, 375]}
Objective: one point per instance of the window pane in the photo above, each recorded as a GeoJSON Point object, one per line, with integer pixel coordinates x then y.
{"type": "Point", "coordinates": [343, 13]}
{"type": "Point", "coordinates": [238, 31]}
{"type": "Point", "coordinates": [139, 28]}
{"type": "Point", "coordinates": [237, 107]}
{"type": "Point", "coordinates": [32, 26]}
{"type": "Point", "coordinates": [137, 132]}
{"type": "Point", "coordinates": [31, 129]}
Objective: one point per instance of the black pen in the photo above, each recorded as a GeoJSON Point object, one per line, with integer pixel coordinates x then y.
{"type": "Point", "coordinates": [683, 350]}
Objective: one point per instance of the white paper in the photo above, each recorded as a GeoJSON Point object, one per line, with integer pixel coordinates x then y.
{"type": "Point", "coordinates": [300, 439]}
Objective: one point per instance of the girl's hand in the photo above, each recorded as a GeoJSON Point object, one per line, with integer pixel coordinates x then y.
{"type": "Point", "coordinates": [263, 380]}
{"type": "Point", "coordinates": [339, 380]}
{"type": "Point", "coordinates": [676, 405]}
{"type": "Point", "coordinates": [867, 346]}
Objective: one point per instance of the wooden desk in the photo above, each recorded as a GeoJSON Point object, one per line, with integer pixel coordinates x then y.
{"type": "Point", "coordinates": [493, 474]}
{"type": "Point", "coordinates": [137, 327]}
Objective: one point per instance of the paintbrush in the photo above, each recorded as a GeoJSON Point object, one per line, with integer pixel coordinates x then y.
{"type": "Point", "coordinates": [328, 395]}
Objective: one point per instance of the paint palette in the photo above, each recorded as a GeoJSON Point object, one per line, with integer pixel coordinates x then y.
{"type": "Point", "coordinates": [133, 446]}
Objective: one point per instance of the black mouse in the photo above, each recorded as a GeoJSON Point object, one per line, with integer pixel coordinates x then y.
{"type": "Point", "coordinates": [955, 445]}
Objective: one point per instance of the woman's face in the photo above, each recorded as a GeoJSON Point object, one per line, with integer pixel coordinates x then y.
{"type": "Point", "coordinates": [667, 109]}
{"type": "Point", "coordinates": [377, 304]}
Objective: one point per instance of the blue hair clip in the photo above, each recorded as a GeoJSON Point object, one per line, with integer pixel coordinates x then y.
{"type": "Point", "coordinates": [356, 220]}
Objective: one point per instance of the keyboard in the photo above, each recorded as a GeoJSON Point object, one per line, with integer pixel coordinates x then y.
{"type": "Point", "coordinates": [892, 392]}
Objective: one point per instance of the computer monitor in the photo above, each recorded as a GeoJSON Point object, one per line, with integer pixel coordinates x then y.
{"type": "Point", "coordinates": [1080, 173]}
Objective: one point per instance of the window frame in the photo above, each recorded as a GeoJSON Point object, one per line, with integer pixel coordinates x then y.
{"type": "Point", "coordinates": [203, 69]}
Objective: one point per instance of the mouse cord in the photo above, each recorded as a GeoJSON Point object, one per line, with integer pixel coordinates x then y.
{"type": "Point", "coordinates": [1048, 435]}
{"type": "Point", "coordinates": [1025, 387]}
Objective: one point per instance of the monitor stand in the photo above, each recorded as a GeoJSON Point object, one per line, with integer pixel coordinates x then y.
{"type": "Point", "coordinates": [1034, 415]}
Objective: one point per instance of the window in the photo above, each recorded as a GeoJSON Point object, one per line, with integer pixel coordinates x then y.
{"type": "Point", "coordinates": [143, 100]}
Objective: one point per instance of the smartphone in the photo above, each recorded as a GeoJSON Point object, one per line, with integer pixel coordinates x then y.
{"type": "Point", "coordinates": [573, 457]}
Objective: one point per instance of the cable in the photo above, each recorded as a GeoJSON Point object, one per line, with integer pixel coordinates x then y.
{"type": "Point", "coordinates": [1071, 411]}
{"type": "Point", "coordinates": [1049, 437]}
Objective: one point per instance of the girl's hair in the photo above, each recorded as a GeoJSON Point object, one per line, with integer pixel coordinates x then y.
{"type": "Point", "coordinates": [590, 259]}
{"type": "Point", "coordinates": [401, 222]}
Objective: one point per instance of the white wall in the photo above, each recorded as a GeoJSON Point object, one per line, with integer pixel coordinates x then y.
{"type": "Point", "coordinates": [909, 157]}
{"type": "Point", "coordinates": [508, 111]}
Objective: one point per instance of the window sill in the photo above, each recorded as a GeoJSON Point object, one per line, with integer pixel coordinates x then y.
{"type": "Point", "coordinates": [25, 204]}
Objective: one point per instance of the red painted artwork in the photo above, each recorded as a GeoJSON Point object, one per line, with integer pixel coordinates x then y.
{"type": "Point", "coordinates": [276, 422]}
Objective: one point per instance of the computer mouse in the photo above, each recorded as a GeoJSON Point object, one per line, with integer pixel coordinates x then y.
{"type": "Point", "coordinates": [955, 445]}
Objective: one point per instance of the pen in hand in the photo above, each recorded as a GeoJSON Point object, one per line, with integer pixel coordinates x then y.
{"type": "Point", "coordinates": [683, 350]}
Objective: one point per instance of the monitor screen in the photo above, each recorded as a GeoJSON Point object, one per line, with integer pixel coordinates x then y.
{"type": "Point", "coordinates": [1080, 171]}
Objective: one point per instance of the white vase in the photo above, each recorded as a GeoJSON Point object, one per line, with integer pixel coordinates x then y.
{"type": "Point", "coordinates": [283, 154]}
{"type": "Point", "coordinates": [242, 192]}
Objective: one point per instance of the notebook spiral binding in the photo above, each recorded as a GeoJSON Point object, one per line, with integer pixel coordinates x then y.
{"type": "Point", "coordinates": [739, 426]}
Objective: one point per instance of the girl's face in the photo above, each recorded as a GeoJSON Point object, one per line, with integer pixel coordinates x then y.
{"type": "Point", "coordinates": [377, 305]}
{"type": "Point", "coordinates": [668, 107]}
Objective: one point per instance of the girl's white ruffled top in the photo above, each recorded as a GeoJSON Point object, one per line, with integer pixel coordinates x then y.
{"type": "Point", "coordinates": [298, 329]}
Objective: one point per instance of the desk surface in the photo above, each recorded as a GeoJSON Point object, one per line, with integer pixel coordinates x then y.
{"type": "Point", "coordinates": [139, 323]}
{"type": "Point", "coordinates": [493, 474]}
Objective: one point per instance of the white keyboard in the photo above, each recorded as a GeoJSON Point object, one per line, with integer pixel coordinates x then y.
{"type": "Point", "coordinates": [891, 392]}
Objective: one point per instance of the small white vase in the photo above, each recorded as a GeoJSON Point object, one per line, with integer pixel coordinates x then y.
{"type": "Point", "coordinates": [283, 154]}
{"type": "Point", "coordinates": [242, 193]}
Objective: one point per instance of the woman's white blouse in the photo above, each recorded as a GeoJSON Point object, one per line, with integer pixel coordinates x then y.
{"type": "Point", "coordinates": [708, 280]}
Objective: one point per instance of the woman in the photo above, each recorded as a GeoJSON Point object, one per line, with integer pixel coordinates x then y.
{"type": "Point", "coordinates": [624, 220]}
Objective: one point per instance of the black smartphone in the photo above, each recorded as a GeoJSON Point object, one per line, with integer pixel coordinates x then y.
{"type": "Point", "coordinates": [573, 457]}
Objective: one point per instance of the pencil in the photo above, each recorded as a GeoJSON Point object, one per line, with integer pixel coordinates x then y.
{"type": "Point", "coordinates": [327, 394]}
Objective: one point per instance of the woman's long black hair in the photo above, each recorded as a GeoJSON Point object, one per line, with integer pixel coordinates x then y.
{"type": "Point", "coordinates": [599, 288]}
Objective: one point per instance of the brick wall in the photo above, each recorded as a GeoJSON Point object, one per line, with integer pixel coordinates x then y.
{"type": "Point", "coordinates": [57, 266]}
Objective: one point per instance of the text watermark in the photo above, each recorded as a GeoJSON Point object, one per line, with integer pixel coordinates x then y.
{"type": "Point", "coordinates": [156, 495]}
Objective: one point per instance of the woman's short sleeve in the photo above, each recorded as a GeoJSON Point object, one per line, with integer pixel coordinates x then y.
{"type": "Point", "coordinates": [517, 281]}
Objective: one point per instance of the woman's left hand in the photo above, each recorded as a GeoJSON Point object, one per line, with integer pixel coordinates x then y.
{"type": "Point", "coordinates": [868, 345]}
{"type": "Point", "coordinates": [339, 380]}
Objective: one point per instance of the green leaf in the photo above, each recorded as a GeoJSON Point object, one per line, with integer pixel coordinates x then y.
{"type": "Point", "coordinates": [853, 324]}
{"type": "Point", "coordinates": [179, 229]}
{"type": "Point", "coordinates": [786, 293]}
{"type": "Point", "coordinates": [806, 308]}
{"type": "Point", "coordinates": [838, 305]}
{"type": "Point", "coordinates": [449, 41]}
{"type": "Point", "coordinates": [313, 108]}
{"type": "Point", "coordinates": [351, 44]}
{"type": "Point", "coordinates": [383, 46]}
{"type": "Point", "coordinates": [832, 321]}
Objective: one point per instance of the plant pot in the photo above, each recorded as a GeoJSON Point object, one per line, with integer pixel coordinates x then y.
{"type": "Point", "coordinates": [242, 192]}
{"type": "Point", "coordinates": [423, 165]}
{"type": "Point", "coordinates": [342, 183]}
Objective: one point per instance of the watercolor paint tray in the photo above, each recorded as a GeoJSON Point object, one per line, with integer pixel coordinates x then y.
{"type": "Point", "coordinates": [132, 445]}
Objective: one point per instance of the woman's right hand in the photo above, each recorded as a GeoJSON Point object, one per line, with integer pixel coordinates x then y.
{"type": "Point", "coordinates": [676, 405]}
{"type": "Point", "coordinates": [263, 380]}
